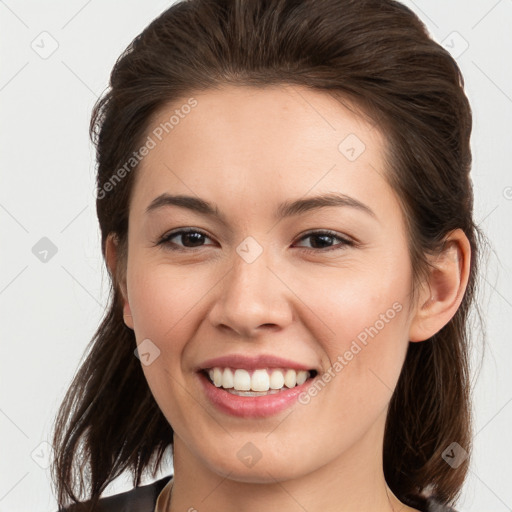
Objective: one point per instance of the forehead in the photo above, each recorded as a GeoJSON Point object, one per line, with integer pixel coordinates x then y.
{"type": "Point", "coordinates": [249, 145]}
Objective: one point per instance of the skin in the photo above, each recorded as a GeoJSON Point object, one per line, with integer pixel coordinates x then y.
{"type": "Point", "coordinates": [247, 150]}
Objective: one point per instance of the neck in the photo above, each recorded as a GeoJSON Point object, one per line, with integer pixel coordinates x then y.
{"type": "Point", "coordinates": [354, 481]}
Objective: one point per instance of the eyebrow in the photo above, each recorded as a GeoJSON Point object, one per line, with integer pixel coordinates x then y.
{"type": "Point", "coordinates": [287, 209]}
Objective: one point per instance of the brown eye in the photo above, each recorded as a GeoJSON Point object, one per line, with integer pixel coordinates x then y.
{"type": "Point", "coordinates": [322, 240]}
{"type": "Point", "coordinates": [189, 238]}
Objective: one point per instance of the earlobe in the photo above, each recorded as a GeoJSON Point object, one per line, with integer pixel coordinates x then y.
{"type": "Point", "coordinates": [441, 297]}
{"type": "Point", "coordinates": [111, 258]}
{"type": "Point", "coordinates": [127, 315]}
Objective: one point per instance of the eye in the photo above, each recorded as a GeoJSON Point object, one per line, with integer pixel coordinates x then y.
{"type": "Point", "coordinates": [190, 238]}
{"type": "Point", "coordinates": [193, 238]}
{"type": "Point", "coordinates": [323, 240]}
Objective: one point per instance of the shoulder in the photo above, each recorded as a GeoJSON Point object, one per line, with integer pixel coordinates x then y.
{"type": "Point", "coordinates": [139, 499]}
{"type": "Point", "coordinates": [434, 505]}
{"type": "Point", "coordinates": [427, 504]}
{"type": "Point", "coordinates": [143, 499]}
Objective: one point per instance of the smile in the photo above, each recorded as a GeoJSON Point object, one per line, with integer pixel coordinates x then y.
{"type": "Point", "coordinates": [256, 386]}
{"type": "Point", "coordinates": [257, 382]}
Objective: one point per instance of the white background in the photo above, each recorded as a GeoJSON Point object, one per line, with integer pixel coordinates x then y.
{"type": "Point", "coordinates": [50, 310]}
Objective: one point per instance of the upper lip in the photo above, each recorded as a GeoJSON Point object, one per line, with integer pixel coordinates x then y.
{"type": "Point", "coordinates": [252, 362]}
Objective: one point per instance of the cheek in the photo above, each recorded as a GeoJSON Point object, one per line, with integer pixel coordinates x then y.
{"type": "Point", "coordinates": [357, 302]}
{"type": "Point", "coordinates": [364, 323]}
{"type": "Point", "coordinates": [164, 301]}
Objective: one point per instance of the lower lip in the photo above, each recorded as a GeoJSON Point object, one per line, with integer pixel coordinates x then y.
{"type": "Point", "coordinates": [251, 406]}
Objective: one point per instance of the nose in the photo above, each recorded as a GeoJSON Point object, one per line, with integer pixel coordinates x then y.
{"type": "Point", "coordinates": [252, 299]}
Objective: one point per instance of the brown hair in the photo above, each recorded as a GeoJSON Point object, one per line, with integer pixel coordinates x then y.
{"type": "Point", "coordinates": [376, 53]}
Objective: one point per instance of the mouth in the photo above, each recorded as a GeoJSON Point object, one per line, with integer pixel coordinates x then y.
{"type": "Point", "coordinates": [257, 382]}
{"type": "Point", "coordinates": [256, 387]}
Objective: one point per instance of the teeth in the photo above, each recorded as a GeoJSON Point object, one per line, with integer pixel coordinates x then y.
{"type": "Point", "coordinates": [276, 380]}
{"type": "Point", "coordinates": [217, 377]}
{"type": "Point", "coordinates": [302, 376]}
{"type": "Point", "coordinates": [290, 378]}
{"type": "Point", "coordinates": [242, 380]}
{"type": "Point", "coordinates": [228, 379]}
{"type": "Point", "coordinates": [261, 380]}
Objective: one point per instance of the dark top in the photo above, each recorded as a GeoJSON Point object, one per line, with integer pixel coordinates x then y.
{"type": "Point", "coordinates": [143, 499]}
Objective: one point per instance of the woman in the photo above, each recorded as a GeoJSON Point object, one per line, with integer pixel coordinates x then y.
{"type": "Point", "coordinates": [287, 217]}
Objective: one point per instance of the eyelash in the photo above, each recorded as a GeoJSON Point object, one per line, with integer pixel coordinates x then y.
{"type": "Point", "coordinates": [165, 240]}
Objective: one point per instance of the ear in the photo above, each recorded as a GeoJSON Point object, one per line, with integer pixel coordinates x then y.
{"type": "Point", "coordinates": [112, 258]}
{"type": "Point", "coordinates": [441, 296]}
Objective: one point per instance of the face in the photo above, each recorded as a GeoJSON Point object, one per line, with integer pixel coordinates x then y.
{"type": "Point", "coordinates": [268, 284]}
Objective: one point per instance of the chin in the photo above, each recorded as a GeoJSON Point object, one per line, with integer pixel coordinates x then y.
{"type": "Point", "coordinates": [263, 474]}
{"type": "Point", "coordinates": [268, 469]}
